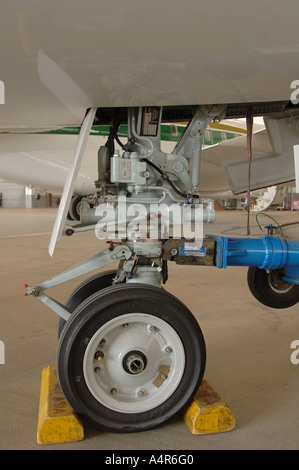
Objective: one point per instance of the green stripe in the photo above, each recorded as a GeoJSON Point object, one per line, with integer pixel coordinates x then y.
{"type": "Point", "coordinates": [168, 133]}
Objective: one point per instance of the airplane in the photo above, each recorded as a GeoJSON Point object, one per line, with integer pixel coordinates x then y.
{"type": "Point", "coordinates": [123, 362]}
{"type": "Point", "coordinates": [25, 161]}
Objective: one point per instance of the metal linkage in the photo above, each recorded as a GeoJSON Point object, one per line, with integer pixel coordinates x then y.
{"type": "Point", "coordinates": [108, 256]}
{"type": "Point", "coordinates": [268, 253]}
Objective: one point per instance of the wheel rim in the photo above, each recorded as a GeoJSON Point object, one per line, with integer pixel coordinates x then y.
{"type": "Point", "coordinates": [277, 284]}
{"type": "Point", "coordinates": [133, 363]}
{"type": "Point", "coordinates": [78, 208]}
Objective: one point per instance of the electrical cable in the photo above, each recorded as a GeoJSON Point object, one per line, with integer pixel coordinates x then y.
{"type": "Point", "coordinates": [119, 142]}
{"type": "Point", "coordinates": [110, 144]}
{"type": "Point", "coordinates": [249, 123]}
{"type": "Point", "coordinates": [165, 177]}
{"type": "Point", "coordinates": [270, 217]}
{"type": "Point", "coordinates": [114, 126]}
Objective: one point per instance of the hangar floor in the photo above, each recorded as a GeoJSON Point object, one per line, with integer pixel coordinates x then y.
{"type": "Point", "coordinates": [248, 345]}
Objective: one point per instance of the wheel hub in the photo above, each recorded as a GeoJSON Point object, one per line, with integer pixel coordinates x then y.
{"type": "Point", "coordinates": [131, 381]}
{"type": "Point", "coordinates": [134, 362]}
{"type": "Point", "coordinates": [277, 284]}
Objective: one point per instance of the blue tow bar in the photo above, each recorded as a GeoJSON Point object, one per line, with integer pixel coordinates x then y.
{"type": "Point", "coordinates": [266, 252]}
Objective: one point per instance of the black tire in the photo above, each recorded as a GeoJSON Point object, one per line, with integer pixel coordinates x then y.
{"type": "Point", "coordinates": [69, 217]}
{"type": "Point", "coordinates": [74, 209]}
{"type": "Point", "coordinates": [270, 289]}
{"type": "Point", "coordinates": [126, 316]}
{"type": "Point", "coordinates": [88, 287]}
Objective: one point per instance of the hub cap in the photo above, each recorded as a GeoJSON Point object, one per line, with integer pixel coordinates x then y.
{"type": "Point", "coordinates": [134, 363]}
{"type": "Point", "coordinates": [277, 284]}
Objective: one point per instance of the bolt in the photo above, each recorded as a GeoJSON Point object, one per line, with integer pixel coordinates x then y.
{"type": "Point", "coordinates": [34, 292]}
{"type": "Point", "coordinates": [97, 369]}
{"type": "Point", "coordinates": [163, 377]}
{"type": "Point", "coordinates": [78, 378]}
{"type": "Point", "coordinates": [102, 342]}
{"type": "Point", "coordinates": [113, 391]}
{"type": "Point", "coordinates": [141, 393]}
{"type": "Point", "coordinates": [177, 167]}
{"type": "Point", "coordinates": [125, 325]}
{"type": "Point", "coordinates": [174, 252]}
{"type": "Point", "coordinates": [168, 349]}
{"type": "Point", "coordinates": [153, 328]}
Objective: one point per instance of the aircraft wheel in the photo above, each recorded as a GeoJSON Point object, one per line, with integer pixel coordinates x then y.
{"type": "Point", "coordinates": [88, 287]}
{"type": "Point", "coordinates": [75, 206]}
{"type": "Point", "coordinates": [270, 289]}
{"type": "Point", "coordinates": [130, 358]}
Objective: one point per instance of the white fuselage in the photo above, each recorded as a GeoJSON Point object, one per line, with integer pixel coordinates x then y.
{"type": "Point", "coordinates": [60, 57]}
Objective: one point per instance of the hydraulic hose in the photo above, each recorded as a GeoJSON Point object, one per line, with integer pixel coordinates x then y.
{"type": "Point", "coordinates": [165, 177]}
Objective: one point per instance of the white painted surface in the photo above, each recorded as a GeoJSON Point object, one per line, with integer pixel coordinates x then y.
{"type": "Point", "coordinates": [59, 58]}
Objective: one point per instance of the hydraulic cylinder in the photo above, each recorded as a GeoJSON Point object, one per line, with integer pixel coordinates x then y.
{"type": "Point", "coordinates": [266, 252]}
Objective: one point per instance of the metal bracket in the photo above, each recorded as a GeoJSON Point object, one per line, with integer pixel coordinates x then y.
{"type": "Point", "coordinates": [188, 253]}
{"type": "Point", "coordinates": [97, 261]}
{"type": "Point", "coordinates": [191, 141]}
